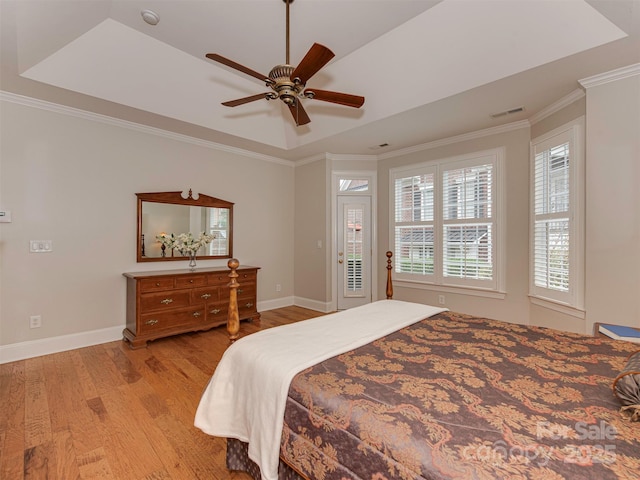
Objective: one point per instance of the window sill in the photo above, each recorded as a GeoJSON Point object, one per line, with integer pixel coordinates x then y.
{"type": "Point", "coordinates": [557, 306]}
{"type": "Point", "coordinates": [477, 292]}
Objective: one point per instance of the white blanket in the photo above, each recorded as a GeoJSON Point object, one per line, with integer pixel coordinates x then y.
{"type": "Point", "coordinates": [246, 396]}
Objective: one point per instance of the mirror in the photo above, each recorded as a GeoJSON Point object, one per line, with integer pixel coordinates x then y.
{"type": "Point", "coordinates": [171, 212]}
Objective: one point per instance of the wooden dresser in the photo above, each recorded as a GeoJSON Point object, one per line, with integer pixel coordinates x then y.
{"type": "Point", "coordinates": [166, 303]}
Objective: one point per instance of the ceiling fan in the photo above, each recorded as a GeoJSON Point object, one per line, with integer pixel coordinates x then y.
{"type": "Point", "coordinates": [288, 83]}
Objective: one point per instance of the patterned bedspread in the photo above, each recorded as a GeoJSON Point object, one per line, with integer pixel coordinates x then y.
{"type": "Point", "coordinates": [455, 396]}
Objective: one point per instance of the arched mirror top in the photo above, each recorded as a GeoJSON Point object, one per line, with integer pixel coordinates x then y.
{"type": "Point", "coordinates": [161, 214]}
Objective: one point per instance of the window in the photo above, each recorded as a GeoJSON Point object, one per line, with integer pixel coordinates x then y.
{"type": "Point", "coordinates": [445, 224]}
{"type": "Point", "coordinates": [353, 185]}
{"type": "Point", "coordinates": [556, 216]}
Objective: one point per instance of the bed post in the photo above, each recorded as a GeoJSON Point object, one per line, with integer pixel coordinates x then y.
{"type": "Point", "coordinates": [233, 318]}
{"type": "Point", "coordinates": [389, 282]}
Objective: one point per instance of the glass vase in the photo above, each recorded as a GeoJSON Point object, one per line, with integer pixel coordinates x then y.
{"type": "Point", "coordinates": [192, 261]}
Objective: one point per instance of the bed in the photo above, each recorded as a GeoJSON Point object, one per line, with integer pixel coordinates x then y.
{"type": "Point", "coordinates": [432, 394]}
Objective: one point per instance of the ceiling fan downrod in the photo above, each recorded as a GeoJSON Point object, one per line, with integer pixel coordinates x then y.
{"type": "Point", "coordinates": [288, 83]}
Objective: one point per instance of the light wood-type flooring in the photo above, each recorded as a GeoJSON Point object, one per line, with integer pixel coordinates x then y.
{"type": "Point", "coordinates": [109, 412]}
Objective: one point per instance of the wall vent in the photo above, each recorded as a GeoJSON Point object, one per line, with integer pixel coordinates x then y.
{"type": "Point", "coordinates": [507, 112]}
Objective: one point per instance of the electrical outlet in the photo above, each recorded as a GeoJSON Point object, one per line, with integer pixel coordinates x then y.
{"type": "Point", "coordinates": [35, 321]}
{"type": "Point", "coordinates": [278, 287]}
{"type": "Point", "coordinates": [441, 299]}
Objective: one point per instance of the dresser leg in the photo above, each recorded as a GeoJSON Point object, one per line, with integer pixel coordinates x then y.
{"type": "Point", "coordinates": [134, 343]}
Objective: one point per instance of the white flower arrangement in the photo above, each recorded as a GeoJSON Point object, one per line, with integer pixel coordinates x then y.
{"type": "Point", "coordinates": [185, 243]}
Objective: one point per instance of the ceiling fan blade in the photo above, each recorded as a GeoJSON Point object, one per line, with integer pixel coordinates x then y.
{"type": "Point", "coordinates": [316, 58]}
{"type": "Point", "coordinates": [355, 101]}
{"type": "Point", "coordinates": [230, 63]}
{"type": "Point", "coordinates": [299, 113]}
{"type": "Point", "coordinates": [242, 101]}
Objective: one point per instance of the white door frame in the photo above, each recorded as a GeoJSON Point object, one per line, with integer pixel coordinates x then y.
{"type": "Point", "coordinates": [336, 175]}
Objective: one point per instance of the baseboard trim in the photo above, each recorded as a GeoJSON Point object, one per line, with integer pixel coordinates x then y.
{"type": "Point", "coordinates": [46, 346]}
{"type": "Point", "coordinates": [324, 307]}
{"type": "Point", "coordinates": [276, 303]}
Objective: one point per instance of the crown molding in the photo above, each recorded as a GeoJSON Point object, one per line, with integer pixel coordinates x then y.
{"type": "Point", "coordinates": [611, 76]}
{"type": "Point", "coordinates": [565, 101]}
{"type": "Point", "coordinates": [355, 157]}
{"type": "Point", "coordinates": [97, 117]}
{"type": "Point", "coordinates": [314, 158]}
{"type": "Point", "coordinates": [458, 138]}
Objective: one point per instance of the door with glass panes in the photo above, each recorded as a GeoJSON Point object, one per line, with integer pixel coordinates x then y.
{"type": "Point", "coordinates": [353, 251]}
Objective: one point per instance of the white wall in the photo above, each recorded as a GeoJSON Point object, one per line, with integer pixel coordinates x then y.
{"type": "Point", "coordinates": [73, 180]}
{"type": "Point", "coordinates": [310, 227]}
{"type": "Point", "coordinates": [613, 202]}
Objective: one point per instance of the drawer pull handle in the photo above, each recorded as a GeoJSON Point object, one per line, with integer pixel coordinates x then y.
{"type": "Point", "coordinates": [167, 301]}
{"type": "Point", "coordinates": [191, 281]}
{"type": "Point", "coordinates": [196, 314]}
{"type": "Point", "coordinates": [151, 322]}
{"type": "Point", "coordinates": [157, 284]}
{"type": "Point", "coordinates": [205, 295]}
{"type": "Point", "coordinates": [240, 290]}
{"type": "Point", "coordinates": [215, 311]}
{"type": "Point", "coordinates": [249, 305]}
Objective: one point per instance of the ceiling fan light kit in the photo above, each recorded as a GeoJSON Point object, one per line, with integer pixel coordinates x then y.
{"type": "Point", "coordinates": [288, 83]}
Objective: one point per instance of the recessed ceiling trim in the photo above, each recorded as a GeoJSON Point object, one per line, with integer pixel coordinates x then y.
{"type": "Point", "coordinates": [457, 138]}
{"type": "Point", "coordinates": [97, 117]}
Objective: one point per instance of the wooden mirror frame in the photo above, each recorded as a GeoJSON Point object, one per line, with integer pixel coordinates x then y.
{"type": "Point", "coordinates": [176, 198]}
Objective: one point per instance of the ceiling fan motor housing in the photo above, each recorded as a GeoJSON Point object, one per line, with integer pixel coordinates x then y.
{"type": "Point", "coordinates": [287, 89]}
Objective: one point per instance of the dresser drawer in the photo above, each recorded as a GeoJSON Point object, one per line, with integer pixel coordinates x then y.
{"type": "Point", "coordinates": [220, 279]}
{"type": "Point", "coordinates": [218, 310]}
{"type": "Point", "coordinates": [246, 290]}
{"type": "Point", "coordinates": [191, 281]}
{"type": "Point", "coordinates": [156, 284]}
{"type": "Point", "coordinates": [247, 277]}
{"type": "Point", "coordinates": [150, 323]}
{"type": "Point", "coordinates": [243, 291]}
{"type": "Point", "coordinates": [246, 307]}
{"type": "Point", "coordinates": [205, 295]}
{"type": "Point", "coordinates": [165, 300]}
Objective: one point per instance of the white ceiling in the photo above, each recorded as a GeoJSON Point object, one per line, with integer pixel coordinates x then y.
{"type": "Point", "coordinates": [428, 69]}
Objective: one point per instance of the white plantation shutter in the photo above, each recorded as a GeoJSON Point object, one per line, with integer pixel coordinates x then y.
{"type": "Point", "coordinates": [444, 227]}
{"type": "Point", "coordinates": [467, 218]}
{"type": "Point", "coordinates": [556, 213]}
{"type": "Point", "coordinates": [414, 223]}
{"type": "Point", "coordinates": [353, 245]}
{"type": "Point", "coordinates": [551, 224]}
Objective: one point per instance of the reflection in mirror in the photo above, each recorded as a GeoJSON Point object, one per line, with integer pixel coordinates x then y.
{"type": "Point", "coordinates": [167, 213]}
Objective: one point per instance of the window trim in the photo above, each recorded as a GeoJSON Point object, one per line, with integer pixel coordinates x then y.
{"type": "Point", "coordinates": [571, 302]}
{"type": "Point", "coordinates": [437, 281]}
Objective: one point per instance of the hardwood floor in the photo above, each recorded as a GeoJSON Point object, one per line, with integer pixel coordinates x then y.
{"type": "Point", "coordinates": [109, 412]}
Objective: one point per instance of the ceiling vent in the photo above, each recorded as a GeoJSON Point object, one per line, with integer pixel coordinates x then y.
{"type": "Point", "coordinates": [377, 147]}
{"type": "Point", "coordinates": [507, 112]}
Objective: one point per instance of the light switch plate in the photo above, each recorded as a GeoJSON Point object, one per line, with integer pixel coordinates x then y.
{"type": "Point", "coordinates": [40, 246]}
{"type": "Point", "coordinates": [5, 216]}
